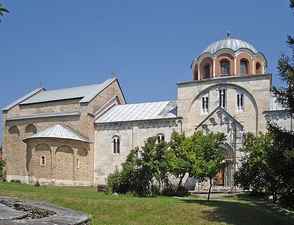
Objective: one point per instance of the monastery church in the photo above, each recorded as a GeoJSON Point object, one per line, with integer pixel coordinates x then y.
{"type": "Point", "coordinates": [79, 135]}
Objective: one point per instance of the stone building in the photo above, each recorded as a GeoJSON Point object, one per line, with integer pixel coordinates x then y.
{"type": "Point", "coordinates": [78, 136]}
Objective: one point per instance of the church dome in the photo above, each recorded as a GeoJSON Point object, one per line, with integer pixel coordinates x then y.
{"type": "Point", "coordinates": [229, 43]}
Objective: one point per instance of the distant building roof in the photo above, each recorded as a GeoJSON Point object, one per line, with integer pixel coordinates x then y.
{"type": "Point", "coordinates": [85, 93]}
{"type": "Point", "coordinates": [59, 131]}
{"type": "Point", "coordinates": [140, 111]}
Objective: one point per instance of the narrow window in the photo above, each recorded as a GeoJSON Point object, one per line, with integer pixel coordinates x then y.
{"type": "Point", "coordinates": [160, 138]}
{"type": "Point", "coordinates": [244, 67]}
{"type": "Point", "coordinates": [222, 98]}
{"type": "Point", "coordinates": [116, 144]}
{"type": "Point", "coordinates": [43, 161]}
{"type": "Point", "coordinates": [78, 163]}
{"type": "Point", "coordinates": [206, 71]}
{"type": "Point", "coordinates": [258, 68]}
{"type": "Point", "coordinates": [205, 104]}
{"type": "Point", "coordinates": [240, 102]}
{"type": "Point", "coordinates": [225, 67]}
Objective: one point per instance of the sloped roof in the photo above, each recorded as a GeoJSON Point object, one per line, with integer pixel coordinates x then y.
{"type": "Point", "coordinates": [86, 93]}
{"type": "Point", "coordinates": [59, 131]}
{"type": "Point", "coordinates": [140, 111]}
{"type": "Point", "coordinates": [19, 100]}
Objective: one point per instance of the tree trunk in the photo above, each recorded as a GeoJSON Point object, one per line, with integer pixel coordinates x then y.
{"type": "Point", "coordinates": [275, 197]}
{"type": "Point", "coordinates": [210, 186]}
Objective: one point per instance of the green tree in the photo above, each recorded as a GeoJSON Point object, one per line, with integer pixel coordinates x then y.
{"type": "Point", "coordinates": [143, 170]}
{"type": "Point", "coordinates": [3, 10]}
{"type": "Point", "coordinates": [286, 69]}
{"type": "Point", "coordinates": [207, 156]}
{"type": "Point", "coordinates": [177, 157]}
{"type": "Point", "coordinates": [268, 165]}
{"type": "Point", "coordinates": [2, 166]}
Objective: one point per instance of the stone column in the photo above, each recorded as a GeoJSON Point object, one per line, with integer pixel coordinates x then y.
{"type": "Point", "coordinates": [75, 151]}
{"type": "Point", "coordinates": [235, 65]}
{"type": "Point", "coordinates": [53, 163]}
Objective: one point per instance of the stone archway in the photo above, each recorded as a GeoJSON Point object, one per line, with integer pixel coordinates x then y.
{"type": "Point", "coordinates": [64, 169]}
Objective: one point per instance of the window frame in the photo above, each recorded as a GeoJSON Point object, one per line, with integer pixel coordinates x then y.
{"type": "Point", "coordinates": [242, 61]}
{"type": "Point", "coordinates": [205, 104]}
{"type": "Point", "coordinates": [206, 68]}
{"type": "Point", "coordinates": [116, 145]}
{"type": "Point", "coordinates": [160, 138]}
{"type": "Point", "coordinates": [240, 101]}
{"type": "Point", "coordinates": [222, 95]}
{"type": "Point", "coordinates": [43, 161]}
{"type": "Point", "coordinates": [228, 67]}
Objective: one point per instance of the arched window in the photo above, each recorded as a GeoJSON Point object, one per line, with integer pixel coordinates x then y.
{"type": "Point", "coordinates": [244, 66]}
{"type": "Point", "coordinates": [116, 144]}
{"type": "Point", "coordinates": [206, 71]}
{"type": "Point", "coordinates": [225, 67]}
{"type": "Point", "coordinates": [31, 129]}
{"type": "Point", "coordinates": [258, 68]}
{"type": "Point", "coordinates": [160, 138]}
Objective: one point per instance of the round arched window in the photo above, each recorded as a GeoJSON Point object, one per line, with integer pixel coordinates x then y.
{"type": "Point", "coordinates": [258, 68]}
{"type": "Point", "coordinates": [225, 67]}
{"type": "Point", "coordinates": [206, 71]}
{"type": "Point", "coordinates": [244, 66]}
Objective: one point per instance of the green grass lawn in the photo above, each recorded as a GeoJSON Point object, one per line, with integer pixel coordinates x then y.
{"type": "Point", "coordinates": [128, 210]}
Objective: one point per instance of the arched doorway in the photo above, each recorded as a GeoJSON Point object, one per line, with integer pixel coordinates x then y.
{"type": "Point", "coordinates": [225, 175]}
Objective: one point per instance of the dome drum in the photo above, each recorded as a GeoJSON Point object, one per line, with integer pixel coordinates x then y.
{"type": "Point", "coordinates": [228, 57]}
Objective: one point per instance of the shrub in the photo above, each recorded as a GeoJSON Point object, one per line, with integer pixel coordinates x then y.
{"type": "Point", "coordinates": [174, 190]}
{"type": "Point", "coordinates": [16, 181]}
{"type": "Point", "coordinates": [2, 165]}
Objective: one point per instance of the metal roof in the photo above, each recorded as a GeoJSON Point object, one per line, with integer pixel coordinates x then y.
{"type": "Point", "coordinates": [59, 131]}
{"type": "Point", "coordinates": [19, 100]}
{"type": "Point", "coordinates": [230, 43]}
{"type": "Point", "coordinates": [140, 111]}
{"type": "Point", "coordinates": [86, 93]}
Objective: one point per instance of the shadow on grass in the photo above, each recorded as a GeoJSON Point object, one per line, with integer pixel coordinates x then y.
{"type": "Point", "coordinates": [241, 213]}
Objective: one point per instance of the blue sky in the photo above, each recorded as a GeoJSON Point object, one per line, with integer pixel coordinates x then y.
{"type": "Point", "coordinates": [149, 45]}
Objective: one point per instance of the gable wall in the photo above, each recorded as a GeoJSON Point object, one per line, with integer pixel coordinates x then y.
{"type": "Point", "coordinates": [190, 105]}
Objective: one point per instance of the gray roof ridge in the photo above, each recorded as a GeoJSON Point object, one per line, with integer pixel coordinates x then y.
{"type": "Point", "coordinates": [151, 102]}
{"type": "Point", "coordinates": [23, 98]}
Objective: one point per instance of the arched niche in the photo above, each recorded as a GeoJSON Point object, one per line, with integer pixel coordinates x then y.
{"type": "Point", "coordinates": [64, 157]}
{"type": "Point", "coordinates": [30, 129]}
{"type": "Point", "coordinates": [14, 131]}
{"type": "Point", "coordinates": [206, 68]}
{"type": "Point", "coordinates": [41, 162]}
